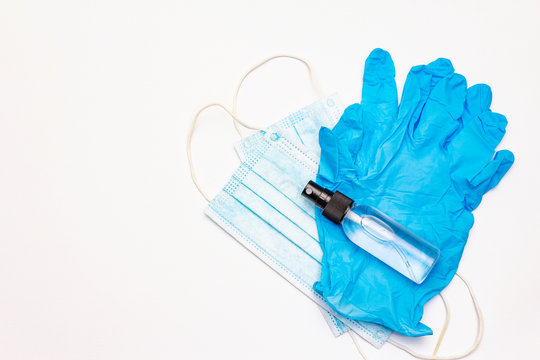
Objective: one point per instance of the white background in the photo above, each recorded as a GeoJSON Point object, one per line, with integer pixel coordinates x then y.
{"type": "Point", "coordinates": [104, 249]}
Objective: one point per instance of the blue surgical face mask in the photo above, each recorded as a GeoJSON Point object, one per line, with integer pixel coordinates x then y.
{"type": "Point", "coordinates": [302, 129]}
{"type": "Point", "coordinates": [261, 207]}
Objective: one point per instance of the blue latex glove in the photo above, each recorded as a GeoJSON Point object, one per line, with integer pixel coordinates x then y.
{"type": "Point", "coordinates": [426, 163]}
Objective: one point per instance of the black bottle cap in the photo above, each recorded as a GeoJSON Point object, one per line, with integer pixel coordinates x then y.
{"type": "Point", "coordinates": [334, 204]}
{"type": "Point", "coordinates": [319, 195]}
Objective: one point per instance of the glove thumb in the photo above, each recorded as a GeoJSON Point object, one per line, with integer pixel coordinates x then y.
{"type": "Point", "coordinates": [419, 330]}
{"type": "Point", "coordinates": [336, 163]}
{"type": "Point", "coordinates": [488, 177]}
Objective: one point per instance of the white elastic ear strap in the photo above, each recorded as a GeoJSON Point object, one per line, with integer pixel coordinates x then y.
{"type": "Point", "coordinates": [190, 136]}
{"type": "Point", "coordinates": [441, 336]}
{"type": "Point", "coordinates": [232, 113]}
{"type": "Point", "coordinates": [312, 78]}
{"type": "Point", "coordinates": [479, 332]}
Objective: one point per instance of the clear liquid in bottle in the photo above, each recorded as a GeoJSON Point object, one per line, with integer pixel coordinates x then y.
{"type": "Point", "coordinates": [390, 242]}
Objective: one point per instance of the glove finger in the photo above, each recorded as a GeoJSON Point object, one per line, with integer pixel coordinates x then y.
{"type": "Point", "coordinates": [420, 82]}
{"type": "Point", "coordinates": [383, 128]}
{"type": "Point", "coordinates": [440, 114]}
{"type": "Point", "coordinates": [419, 330]}
{"type": "Point", "coordinates": [488, 127]}
{"type": "Point", "coordinates": [328, 168]}
{"type": "Point", "coordinates": [350, 128]}
{"type": "Point", "coordinates": [488, 177]}
{"type": "Point", "coordinates": [379, 106]}
{"type": "Point", "coordinates": [336, 164]}
{"type": "Point", "coordinates": [478, 100]}
{"type": "Point", "coordinates": [379, 86]}
{"type": "Point", "coordinates": [472, 148]}
{"type": "Point", "coordinates": [493, 127]}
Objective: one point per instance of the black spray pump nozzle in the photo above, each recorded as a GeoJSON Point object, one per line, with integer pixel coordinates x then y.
{"type": "Point", "coordinates": [334, 204]}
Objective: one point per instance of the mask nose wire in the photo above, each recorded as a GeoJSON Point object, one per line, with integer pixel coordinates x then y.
{"type": "Point", "coordinates": [312, 78]}
{"type": "Point", "coordinates": [190, 136]}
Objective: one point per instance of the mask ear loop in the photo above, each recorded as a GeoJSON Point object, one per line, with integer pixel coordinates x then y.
{"type": "Point", "coordinates": [312, 78]}
{"type": "Point", "coordinates": [479, 333]}
{"type": "Point", "coordinates": [447, 320]}
{"type": "Point", "coordinates": [232, 113]}
{"type": "Point", "coordinates": [190, 136]}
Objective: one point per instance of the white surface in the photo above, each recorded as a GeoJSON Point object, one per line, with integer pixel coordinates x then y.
{"type": "Point", "coordinates": [104, 249]}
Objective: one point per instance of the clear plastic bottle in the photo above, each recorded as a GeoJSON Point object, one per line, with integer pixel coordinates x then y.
{"type": "Point", "coordinates": [377, 233]}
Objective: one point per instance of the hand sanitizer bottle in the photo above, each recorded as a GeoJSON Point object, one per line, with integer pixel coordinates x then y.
{"type": "Point", "coordinates": [376, 233]}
